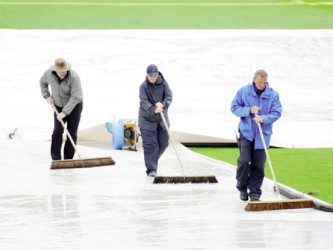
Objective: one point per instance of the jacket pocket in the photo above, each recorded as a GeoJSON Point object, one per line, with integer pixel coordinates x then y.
{"type": "Point", "coordinates": [266, 129]}
{"type": "Point", "coordinates": [152, 118]}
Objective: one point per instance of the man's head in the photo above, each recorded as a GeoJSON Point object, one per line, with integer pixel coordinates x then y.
{"type": "Point", "coordinates": [61, 67]}
{"type": "Point", "coordinates": [260, 79]}
{"type": "Point", "coordinates": [152, 73]}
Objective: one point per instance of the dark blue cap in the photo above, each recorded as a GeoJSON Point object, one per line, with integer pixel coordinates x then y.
{"type": "Point", "coordinates": [152, 70]}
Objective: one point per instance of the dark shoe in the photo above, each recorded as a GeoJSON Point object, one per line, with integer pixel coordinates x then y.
{"type": "Point", "coordinates": [152, 174]}
{"type": "Point", "coordinates": [255, 198]}
{"type": "Point", "coordinates": [243, 196]}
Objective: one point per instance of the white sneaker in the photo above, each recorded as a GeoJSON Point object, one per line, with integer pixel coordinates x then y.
{"type": "Point", "coordinates": [152, 174]}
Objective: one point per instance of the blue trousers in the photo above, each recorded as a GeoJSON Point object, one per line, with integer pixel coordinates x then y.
{"type": "Point", "coordinates": [154, 144]}
{"type": "Point", "coordinates": [73, 121]}
{"type": "Point", "coordinates": [250, 168]}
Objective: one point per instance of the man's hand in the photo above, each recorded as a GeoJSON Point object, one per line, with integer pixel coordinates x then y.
{"type": "Point", "coordinates": [50, 100]}
{"type": "Point", "coordinates": [61, 116]}
{"type": "Point", "coordinates": [255, 110]}
{"type": "Point", "coordinates": [159, 105]}
{"type": "Point", "coordinates": [258, 119]}
{"type": "Point", "coordinates": [158, 110]}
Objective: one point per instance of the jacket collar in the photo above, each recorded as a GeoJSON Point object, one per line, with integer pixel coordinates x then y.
{"type": "Point", "coordinates": [160, 80]}
{"type": "Point", "coordinates": [264, 94]}
{"type": "Point", "coordinates": [56, 76]}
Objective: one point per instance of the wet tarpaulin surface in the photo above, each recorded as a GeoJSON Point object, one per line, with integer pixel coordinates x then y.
{"type": "Point", "coordinates": [119, 207]}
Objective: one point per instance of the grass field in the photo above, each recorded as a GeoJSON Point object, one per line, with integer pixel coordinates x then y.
{"type": "Point", "coordinates": [305, 170]}
{"type": "Point", "coordinates": [167, 14]}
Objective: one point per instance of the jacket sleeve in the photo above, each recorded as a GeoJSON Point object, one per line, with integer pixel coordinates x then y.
{"type": "Point", "coordinates": [76, 95]}
{"type": "Point", "coordinates": [144, 101]}
{"type": "Point", "coordinates": [238, 107]}
{"type": "Point", "coordinates": [44, 86]}
{"type": "Point", "coordinates": [275, 110]}
{"type": "Point", "coordinates": [167, 96]}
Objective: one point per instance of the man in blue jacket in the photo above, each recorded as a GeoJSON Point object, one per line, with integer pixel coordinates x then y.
{"type": "Point", "coordinates": [254, 103]}
{"type": "Point", "coordinates": [155, 97]}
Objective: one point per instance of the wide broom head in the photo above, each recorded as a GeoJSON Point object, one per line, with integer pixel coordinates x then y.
{"type": "Point", "coordinates": [82, 163]}
{"type": "Point", "coordinates": [278, 205]}
{"type": "Point", "coordinates": [184, 179]}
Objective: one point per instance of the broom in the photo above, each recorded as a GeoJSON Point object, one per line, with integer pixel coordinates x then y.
{"type": "Point", "coordinates": [281, 204]}
{"type": "Point", "coordinates": [181, 179]}
{"type": "Point", "coordinates": [78, 163]}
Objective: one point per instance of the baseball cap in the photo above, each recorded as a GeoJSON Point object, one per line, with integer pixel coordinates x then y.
{"type": "Point", "coordinates": [152, 70]}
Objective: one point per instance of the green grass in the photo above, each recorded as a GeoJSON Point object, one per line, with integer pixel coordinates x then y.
{"type": "Point", "coordinates": [168, 14]}
{"type": "Point", "coordinates": [302, 169]}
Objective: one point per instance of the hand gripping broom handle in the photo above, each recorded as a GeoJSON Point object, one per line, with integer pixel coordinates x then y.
{"type": "Point", "coordinates": [67, 132]}
{"type": "Point", "coordinates": [172, 142]}
{"type": "Point", "coordinates": [269, 161]}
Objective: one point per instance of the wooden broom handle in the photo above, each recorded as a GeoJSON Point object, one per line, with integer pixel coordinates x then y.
{"type": "Point", "coordinates": [269, 160]}
{"type": "Point", "coordinates": [172, 142]}
{"type": "Point", "coordinates": [67, 132]}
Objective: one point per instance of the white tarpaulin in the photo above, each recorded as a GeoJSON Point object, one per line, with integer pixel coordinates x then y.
{"type": "Point", "coordinates": [118, 207]}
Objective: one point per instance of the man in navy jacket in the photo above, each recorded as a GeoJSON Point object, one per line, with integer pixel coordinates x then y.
{"type": "Point", "coordinates": [254, 103]}
{"type": "Point", "coordinates": [155, 97]}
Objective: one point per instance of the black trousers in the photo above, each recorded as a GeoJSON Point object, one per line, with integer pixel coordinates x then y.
{"type": "Point", "coordinates": [154, 144]}
{"type": "Point", "coordinates": [250, 168]}
{"type": "Point", "coordinates": [72, 120]}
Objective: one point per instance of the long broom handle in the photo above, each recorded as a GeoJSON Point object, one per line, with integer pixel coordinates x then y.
{"type": "Point", "coordinates": [67, 132]}
{"type": "Point", "coordinates": [172, 142]}
{"type": "Point", "coordinates": [269, 160]}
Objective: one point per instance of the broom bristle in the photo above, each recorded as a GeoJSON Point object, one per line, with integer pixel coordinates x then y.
{"type": "Point", "coordinates": [184, 179]}
{"type": "Point", "coordinates": [278, 205]}
{"type": "Point", "coordinates": [82, 163]}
